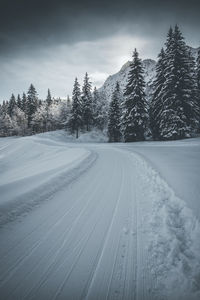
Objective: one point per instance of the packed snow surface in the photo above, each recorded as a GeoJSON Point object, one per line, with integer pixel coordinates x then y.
{"type": "Point", "coordinates": [178, 162]}
{"type": "Point", "coordinates": [33, 167]}
{"type": "Point", "coordinates": [108, 224]}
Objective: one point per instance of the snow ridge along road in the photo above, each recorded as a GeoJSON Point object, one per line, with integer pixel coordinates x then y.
{"type": "Point", "coordinates": [116, 232]}
{"type": "Point", "coordinates": [33, 169]}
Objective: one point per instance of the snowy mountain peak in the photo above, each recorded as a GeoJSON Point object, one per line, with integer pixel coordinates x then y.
{"type": "Point", "coordinates": [122, 77]}
{"type": "Point", "coordinates": [125, 66]}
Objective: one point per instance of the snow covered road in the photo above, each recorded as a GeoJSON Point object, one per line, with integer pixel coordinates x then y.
{"type": "Point", "coordinates": [116, 232]}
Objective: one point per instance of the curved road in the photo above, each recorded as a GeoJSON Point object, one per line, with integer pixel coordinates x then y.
{"type": "Point", "coordinates": [86, 242]}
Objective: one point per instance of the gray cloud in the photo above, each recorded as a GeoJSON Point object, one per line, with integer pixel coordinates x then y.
{"type": "Point", "coordinates": [50, 42]}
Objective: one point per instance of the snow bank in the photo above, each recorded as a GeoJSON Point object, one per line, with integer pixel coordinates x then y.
{"type": "Point", "coordinates": [33, 168]}
{"type": "Point", "coordinates": [178, 162]}
{"type": "Point", "coordinates": [174, 238]}
{"type": "Point", "coordinates": [93, 136]}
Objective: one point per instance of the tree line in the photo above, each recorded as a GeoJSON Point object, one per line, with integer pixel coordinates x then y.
{"type": "Point", "coordinates": [173, 111]}
{"type": "Point", "coordinates": [27, 114]}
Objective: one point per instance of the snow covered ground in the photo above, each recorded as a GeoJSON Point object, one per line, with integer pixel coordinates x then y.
{"type": "Point", "coordinates": [32, 168]}
{"type": "Point", "coordinates": [178, 163]}
{"type": "Point", "coordinates": [117, 223]}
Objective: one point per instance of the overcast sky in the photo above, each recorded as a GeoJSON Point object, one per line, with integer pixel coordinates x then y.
{"type": "Point", "coordinates": [49, 42]}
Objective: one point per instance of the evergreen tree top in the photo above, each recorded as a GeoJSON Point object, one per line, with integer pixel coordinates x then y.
{"type": "Point", "coordinates": [86, 85]}
{"type": "Point", "coordinates": [32, 93]}
{"type": "Point", "coordinates": [23, 96]}
{"type": "Point", "coordinates": [135, 76]}
{"type": "Point", "coordinates": [169, 39]}
{"type": "Point", "coordinates": [32, 88]}
{"type": "Point", "coordinates": [12, 98]}
{"type": "Point", "coordinates": [49, 98]}
{"type": "Point", "coordinates": [76, 89]}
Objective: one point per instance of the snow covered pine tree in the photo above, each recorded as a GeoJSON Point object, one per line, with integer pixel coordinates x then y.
{"type": "Point", "coordinates": [75, 120]}
{"type": "Point", "coordinates": [198, 83]}
{"type": "Point", "coordinates": [31, 103]}
{"type": "Point", "coordinates": [156, 101]}
{"type": "Point", "coordinates": [114, 127]}
{"type": "Point", "coordinates": [135, 114]}
{"type": "Point", "coordinates": [178, 115]}
{"type": "Point", "coordinates": [87, 109]}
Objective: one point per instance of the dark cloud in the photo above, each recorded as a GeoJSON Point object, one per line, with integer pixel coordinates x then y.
{"type": "Point", "coordinates": [45, 22]}
{"type": "Point", "coordinates": [49, 42]}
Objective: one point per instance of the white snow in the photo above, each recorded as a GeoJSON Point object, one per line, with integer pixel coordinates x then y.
{"type": "Point", "coordinates": [31, 168]}
{"type": "Point", "coordinates": [173, 238]}
{"type": "Point", "coordinates": [178, 163]}
{"type": "Point", "coordinates": [119, 230]}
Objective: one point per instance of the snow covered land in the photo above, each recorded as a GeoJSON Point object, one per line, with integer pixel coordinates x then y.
{"type": "Point", "coordinates": [93, 220]}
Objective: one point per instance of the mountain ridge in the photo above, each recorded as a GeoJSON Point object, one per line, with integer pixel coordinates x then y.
{"type": "Point", "coordinates": [121, 76]}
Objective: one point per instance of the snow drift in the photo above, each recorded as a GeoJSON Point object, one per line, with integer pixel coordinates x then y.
{"type": "Point", "coordinates": [173, 237]}
{"type": "Point", "coordinates": [32, 168]}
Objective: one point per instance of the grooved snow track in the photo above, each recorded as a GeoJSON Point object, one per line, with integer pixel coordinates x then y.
{"type": "Point", "coordinates": [91, 239]}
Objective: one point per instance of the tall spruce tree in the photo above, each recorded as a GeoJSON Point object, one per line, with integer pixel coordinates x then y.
{"type": "Point", "coordinates": [75, 121]}
{"type": "Point", "coordinates": [191, 107]}
{"type": "Point", "coordinates": [95, 100]}
{"type": "Point", "coordinates": [46, 118]}
{"type": "Point", "coordinates": [156, 101]}
{"type": "Point", "coordinates": [198, 82]}
{"type": "Point", "coordinates": [32, 103]}
{"type": "Point", "coordinates": [198, 70]}
{"type": "Point", "coordinates": [87, 103]}
{"type": "Point", "coordinates": [11, 105]}
{"type": "Point", "coordinates": [19, 101]}
{"type": "Point", "coordinates": [179, 109]}
{"type": "Point", "coordinates": [135, 114]}
{"type": "Point", "coordinates": [114, 127]}
{"type": "Point", "coordinates": [24, 103]}
{"type": "Point", "coordinates": [49, 98]}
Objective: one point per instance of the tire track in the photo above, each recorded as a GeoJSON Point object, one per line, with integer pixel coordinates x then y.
{"type": "Point", "coordinates": [58, 255]}
{"type": "Point", "coordinates": [12, 270]}
{"type": "Point", "coordinates": [107, 235]}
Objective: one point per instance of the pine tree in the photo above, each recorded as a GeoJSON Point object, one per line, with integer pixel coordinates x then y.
{"type": "Point", "coordinates": [95, 100]}
{"type": "Point", "coordinates": [198, 82]}
{"type": "Point", "coordinates": [87, 109]}
{"type": "Point", "coordinates": [191, 103]}
{"type": "Point", "coordinates": [198, 70]}
{"type": "Point", "coordinates": [32, 103]}
{"type": "Point", "coordinates": [49, 99]}
{"type": "Point", "coordinates": [24, 103]}
{"type": "Point", "coordinates": [4, 107]}
{"type": "Point", "coordinates": [178, 114]}
{"type": "Point", "coordinates": [114, 128]}
{"type": "Point", "coordinates": [19, 103]}
{"type": "Point", "coordinates": [156, 101]}
{"type": "Point", "coordinates": [75, 120]}
{"type": "Point", "coordinates": [135, 115]}
{"type": "Point", "coordinates": [11, 105]}
{"type": "Point", "coordinates": [47, 108]}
